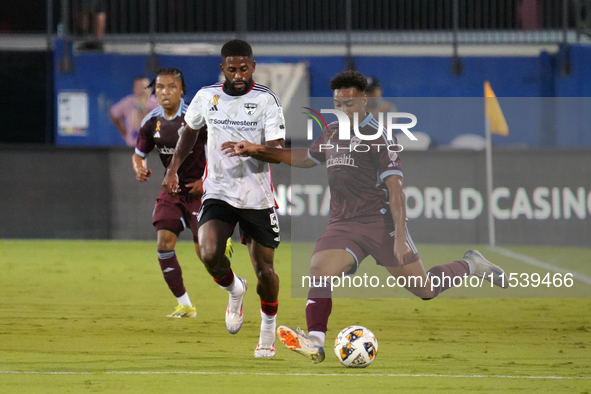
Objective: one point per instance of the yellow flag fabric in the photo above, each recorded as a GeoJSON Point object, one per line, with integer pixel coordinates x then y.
{"type": "Point", "coordinates": [493, 113]}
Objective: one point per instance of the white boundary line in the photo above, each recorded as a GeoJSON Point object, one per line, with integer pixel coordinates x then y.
{"type": "Point", "coordinates": [392, 375]}
{"type": "Point", "coordinates": [540, 264]}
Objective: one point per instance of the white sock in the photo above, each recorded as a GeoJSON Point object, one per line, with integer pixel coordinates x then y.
{"type": "Point", "coordinates": [184, 300]}
{"type": "Point", "coordinates": [318, 334]}
{"type": "Point", "coordinates": [268, 326]}
{"type": "Point", "coordinates": [236, 288]}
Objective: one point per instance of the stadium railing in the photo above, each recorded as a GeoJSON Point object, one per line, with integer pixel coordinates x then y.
{"type": "Point", "coordinates": [379, 22]}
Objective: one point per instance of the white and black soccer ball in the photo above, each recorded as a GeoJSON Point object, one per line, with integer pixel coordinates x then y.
{"type": "Point", "coordinates": [356, 347]}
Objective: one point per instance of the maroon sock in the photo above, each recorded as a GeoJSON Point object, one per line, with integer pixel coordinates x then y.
{"type": "Point", "coordinates": [226, 280]}
{"type": "Point", "coordinates": [173, 275]}
{"type": "Point", "coordinates": [446, 274]}
{"type": "Point", "coordinates": [269, 308]}
{"type": "Point", "coordinates": [318, 308]}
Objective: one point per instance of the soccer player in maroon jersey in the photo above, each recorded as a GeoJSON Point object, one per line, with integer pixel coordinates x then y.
{"type": "Point", "coordinates": [367, 215]}
{"type": "Point", "coordinates": [161, 129]}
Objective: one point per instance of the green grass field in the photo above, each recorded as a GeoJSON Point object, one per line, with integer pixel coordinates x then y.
{"type": "Point", "coordinates": [89, 316]}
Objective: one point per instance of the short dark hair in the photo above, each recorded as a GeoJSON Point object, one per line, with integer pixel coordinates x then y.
{"type": "Point", "coordinates": [236, 48]}
{"type": "Point", "coordinates": [373, 83]}
{"type": "Point", "coordinates": [169, 71]}
{"type": "Point", "coordinates": [349, 79]}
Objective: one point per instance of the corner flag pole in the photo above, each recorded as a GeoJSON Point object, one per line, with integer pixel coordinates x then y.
{"type": "Point", "coordinates": [489, 184]}
{"type": "Point", "coordinates": [494, 123]}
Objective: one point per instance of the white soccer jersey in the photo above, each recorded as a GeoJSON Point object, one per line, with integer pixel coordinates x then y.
{"type": "Point", "coordinates": [257, 117]}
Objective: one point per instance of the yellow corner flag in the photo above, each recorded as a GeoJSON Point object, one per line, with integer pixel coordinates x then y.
{"type": "Point", "coordinates": [493, 113]}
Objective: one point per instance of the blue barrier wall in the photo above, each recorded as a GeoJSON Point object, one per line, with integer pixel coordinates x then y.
{"type": "Point", "coordinates": [533, 121]}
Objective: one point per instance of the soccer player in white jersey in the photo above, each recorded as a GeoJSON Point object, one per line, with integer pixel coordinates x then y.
{"type": "Point", "coordinates": [236, 189]}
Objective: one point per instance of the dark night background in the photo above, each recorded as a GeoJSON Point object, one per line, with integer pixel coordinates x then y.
{"type": "Point", "coordinates": [25, 75]}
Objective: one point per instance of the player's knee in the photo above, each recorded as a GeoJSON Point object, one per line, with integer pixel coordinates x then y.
{"type": "Point", "coordinates": [209, 252]}
{"type": "Point", "coordinates": [316, 271]}
{"type": "Point", "coordinates": [208, 260]}
{"type": "Point", "coordinates": [165, 239]}
{"type": "Point", "coordinates": [428, 294]}
{"type": "Point", "coordinates": [266, 274]}
{"type": "Point", "coordinates": [165, 243]}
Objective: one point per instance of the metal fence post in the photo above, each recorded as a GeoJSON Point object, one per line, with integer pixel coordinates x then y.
{"type": "Point", "coordinates": [152, 64]}
{"type": "Point", "coordinates": [349, 62]}
{"type": "Point", "coordinates": [457, 68]}
{"type": "Point", "coordinates": [66, 63]}
{"type": "Point", "coordinates": [241, 15]}
{"type": "Point", "coordinates": [49, 75]}
{"type": "Point", "coordinates": [566, 67]}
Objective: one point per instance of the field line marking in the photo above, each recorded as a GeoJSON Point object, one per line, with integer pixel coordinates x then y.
{"type": "Point", "coordinates": [540, 264]}
{"type": "Point", "coordinates": [393, 375]}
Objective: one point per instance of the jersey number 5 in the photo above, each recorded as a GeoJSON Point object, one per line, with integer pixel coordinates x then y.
{"type": "Point", "coordinates": [274, 222]}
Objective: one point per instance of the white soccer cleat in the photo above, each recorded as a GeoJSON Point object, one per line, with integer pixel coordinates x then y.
{"type": "Point", "coordinates": [264, 351]}
{"type": "Point", "coordinates": [481, 267]}
{"type": "Point", "coordinates": [235, 311]}
{"type": "Point", "coordinates": [296, 340]}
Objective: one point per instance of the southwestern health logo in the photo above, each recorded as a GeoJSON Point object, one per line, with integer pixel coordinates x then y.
{"type": "Point", "coordinates": [340, 161]}
{"type": "Point", "coordinates": [344, 133]}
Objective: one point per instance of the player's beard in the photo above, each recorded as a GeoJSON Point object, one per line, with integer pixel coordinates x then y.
{"type": "Point", "coordinates": [238, 91]}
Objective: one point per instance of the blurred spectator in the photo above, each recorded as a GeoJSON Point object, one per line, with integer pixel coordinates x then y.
{"type": "Point", "coordinates": [528, 14]}
{"type": "Point", "coordinates": [91, 17]}
{"type": "Point", "coordinates": [128, 113]}
{"type": "Point", "coordinates": [375, 102]}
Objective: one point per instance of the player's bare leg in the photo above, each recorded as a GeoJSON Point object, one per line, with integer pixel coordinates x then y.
{"type": "Point", "coordinates": [198, 250]}
{"type": "Point", "coordinates": [440, 278]}
{"type": "Point", "coordinates": [268, 290]}
{"type": "Point", "coordinates": [171, 270]}
{"type": "Point", "coordinates": [213, 236]}
{"type": "Point", "coordinates": [421, 287]}
{"type": "Point", "coordinates": [324, 264]}
{"type": "Point", "coordinates": [332, 262]}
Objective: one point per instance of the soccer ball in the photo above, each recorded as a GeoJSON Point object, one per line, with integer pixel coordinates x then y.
{"type": "Point", "coordinates": [356, 347]}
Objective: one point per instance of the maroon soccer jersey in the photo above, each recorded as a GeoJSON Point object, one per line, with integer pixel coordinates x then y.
{"type": "Point", "coordinates": [357, 170]}
{"type": "Point", "coordinates": [158, 132]}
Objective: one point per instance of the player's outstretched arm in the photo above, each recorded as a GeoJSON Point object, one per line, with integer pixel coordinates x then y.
{"type": "Point", "coordinates": [140, 166]}
{"type": "Point", "coordinates": [397, 201]}
{"type": "Point", "coordinates": [186, 142]}
{"type": "Point", "coordinates": [296, 157]}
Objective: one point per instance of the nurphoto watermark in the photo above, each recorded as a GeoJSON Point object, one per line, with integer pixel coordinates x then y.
{"type": "Point", "coordinates": [344, 130]}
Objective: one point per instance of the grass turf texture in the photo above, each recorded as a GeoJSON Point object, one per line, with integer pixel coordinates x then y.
{"type": "Point", "coordinates": [89, 316]}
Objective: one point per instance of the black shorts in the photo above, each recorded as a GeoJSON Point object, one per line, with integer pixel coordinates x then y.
{"type": "Point", "coordinates": [262, 225]}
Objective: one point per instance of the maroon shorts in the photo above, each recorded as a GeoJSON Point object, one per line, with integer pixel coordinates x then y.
{"type": "Point", "coordinates": [177, 212]}
{"type": "Point", "coordinates": [362, 237]}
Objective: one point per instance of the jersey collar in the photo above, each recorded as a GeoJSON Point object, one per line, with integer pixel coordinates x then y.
{"type": "Point", "coordinates": [178, 113]}
{"type": "Point", "coordinates": [367, 119]}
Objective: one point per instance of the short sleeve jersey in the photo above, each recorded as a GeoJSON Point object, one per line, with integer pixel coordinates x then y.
{"type": "Point", "coordinates": [255, 116]}
{"type": "Point", "coordinates": [158, 132]}
{"type": "Point", "coordinates": [356, 170]}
